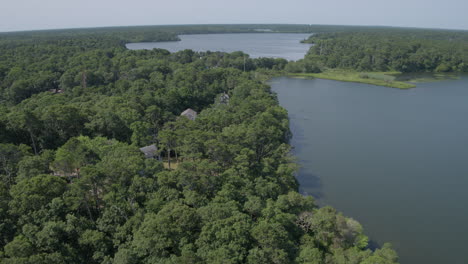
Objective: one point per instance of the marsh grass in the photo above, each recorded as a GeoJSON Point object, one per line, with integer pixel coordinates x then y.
{"type": "Point", "coordinates": [428, 77]}
{"type": "Point", "coordinates": [387, 79]}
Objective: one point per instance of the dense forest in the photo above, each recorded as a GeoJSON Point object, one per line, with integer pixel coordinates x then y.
{"type": "Point", "coordinates": [75, 188]}
{"type": "Point", "coordinates": [387, 49]}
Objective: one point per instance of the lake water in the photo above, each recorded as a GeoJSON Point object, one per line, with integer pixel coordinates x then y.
{"type": "Point", "coordinates": [274, 45]}
{"type": "Point", "coordinates": [395, 160]}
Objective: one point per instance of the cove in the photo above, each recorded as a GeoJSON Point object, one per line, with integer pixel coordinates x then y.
{"type": "Point", "coordinates": [395, 160]}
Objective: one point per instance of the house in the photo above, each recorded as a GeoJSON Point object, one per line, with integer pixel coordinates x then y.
{"type": "Point", "coordinates": [224, 98]}
{"type": "Point", "coordinates": [150, 151]}
{"type": "Point", "coordinates": [54, 91]}
{"type": "Point", "coordinates": [190, 114]}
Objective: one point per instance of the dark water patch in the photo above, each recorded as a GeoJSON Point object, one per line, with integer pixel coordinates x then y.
{"type": "Point", "coordinates": [310, 185]}
{"type": "Point", "coordinates": [373, 245]}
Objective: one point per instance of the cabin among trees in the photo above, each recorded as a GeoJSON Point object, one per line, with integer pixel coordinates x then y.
{"type": "Point", "coordinates": [151, 151]}
{"type": "Point", "coordinates": [55, 91]}
{"type": "Point", "coordinates": [224, 98]}
{"type": "Point", "coordinates": [190, 114]}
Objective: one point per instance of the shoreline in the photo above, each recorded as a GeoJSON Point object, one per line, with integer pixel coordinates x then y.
{"type": "Point", "coordinates": [384, 78]}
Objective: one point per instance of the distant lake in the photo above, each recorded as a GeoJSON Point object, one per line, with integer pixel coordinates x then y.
{"type": "Point", "coordinates": [395, 160]}
{"type": "Point", "coordinates": [274, 45]}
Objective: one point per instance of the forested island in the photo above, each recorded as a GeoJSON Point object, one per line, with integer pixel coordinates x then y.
{"type": "Point", "coordinates": [78, 185]}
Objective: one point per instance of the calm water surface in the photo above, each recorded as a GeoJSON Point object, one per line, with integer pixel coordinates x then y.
{"type": "Point", "coordinates": [395, 160]}
{"type": "Point", "coordinates": [275, 45]}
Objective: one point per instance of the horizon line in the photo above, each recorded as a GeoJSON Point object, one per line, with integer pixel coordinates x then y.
{"type": "Point", "coordinates": [221, 24]}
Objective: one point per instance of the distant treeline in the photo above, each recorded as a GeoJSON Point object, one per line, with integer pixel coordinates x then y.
{"type": "Point", "coordinates": [390, 49]}
{"type": "Point", "coordinates": [45, 42]}
{"type": "Point", "coordinates": [112, 36]}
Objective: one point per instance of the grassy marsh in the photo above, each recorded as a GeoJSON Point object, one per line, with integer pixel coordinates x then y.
{"type": "Point", "coordinates": [387, 79]}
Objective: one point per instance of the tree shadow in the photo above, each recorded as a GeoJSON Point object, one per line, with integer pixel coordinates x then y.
{"type": "Point", "coordinates": [310, 184]}
{"type": "Point", "coordinates": [373, 245]}
{"type": "Point", "coordinates": [297, 135]}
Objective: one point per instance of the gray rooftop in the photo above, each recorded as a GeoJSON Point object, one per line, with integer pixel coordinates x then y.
{"type": "Point", "coordinates": [189, 113]}
{"type": "Point", "coordinates": [149, 151]}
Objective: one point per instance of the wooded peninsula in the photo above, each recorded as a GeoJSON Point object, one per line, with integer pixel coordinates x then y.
{"type": "Point", "coordinates": [110, 155]}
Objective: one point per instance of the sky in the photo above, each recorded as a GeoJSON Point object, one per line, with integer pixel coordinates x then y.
{"type": "Point", "coordinates": [16, 15]}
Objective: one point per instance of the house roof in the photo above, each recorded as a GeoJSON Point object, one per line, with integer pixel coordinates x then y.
{"type": "Point", "coordinates": [189, 113]}
{"type": "Point", "coordinates": [224, 98]}
{"type": "Point", "coordinates": [149, 151]}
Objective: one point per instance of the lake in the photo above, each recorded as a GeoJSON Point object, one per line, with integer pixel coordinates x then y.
{"type": "Point", "coordinates": [395, 160]}
{"type": "Point", "coordinates": [274, 45]}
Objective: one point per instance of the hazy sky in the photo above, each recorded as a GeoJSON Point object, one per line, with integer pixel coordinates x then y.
{"type": "Point", "coordinates": [47, 14]}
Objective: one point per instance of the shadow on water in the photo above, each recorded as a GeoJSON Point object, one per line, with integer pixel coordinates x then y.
{"type": "Point", "coordinates": [373, 245]}
{"type": "Point", "coordinates": [310, 184]}
{"type": "Point", "coordinates": [314, 188]}
{"type": "Point", "coordinates": [297, 133]}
